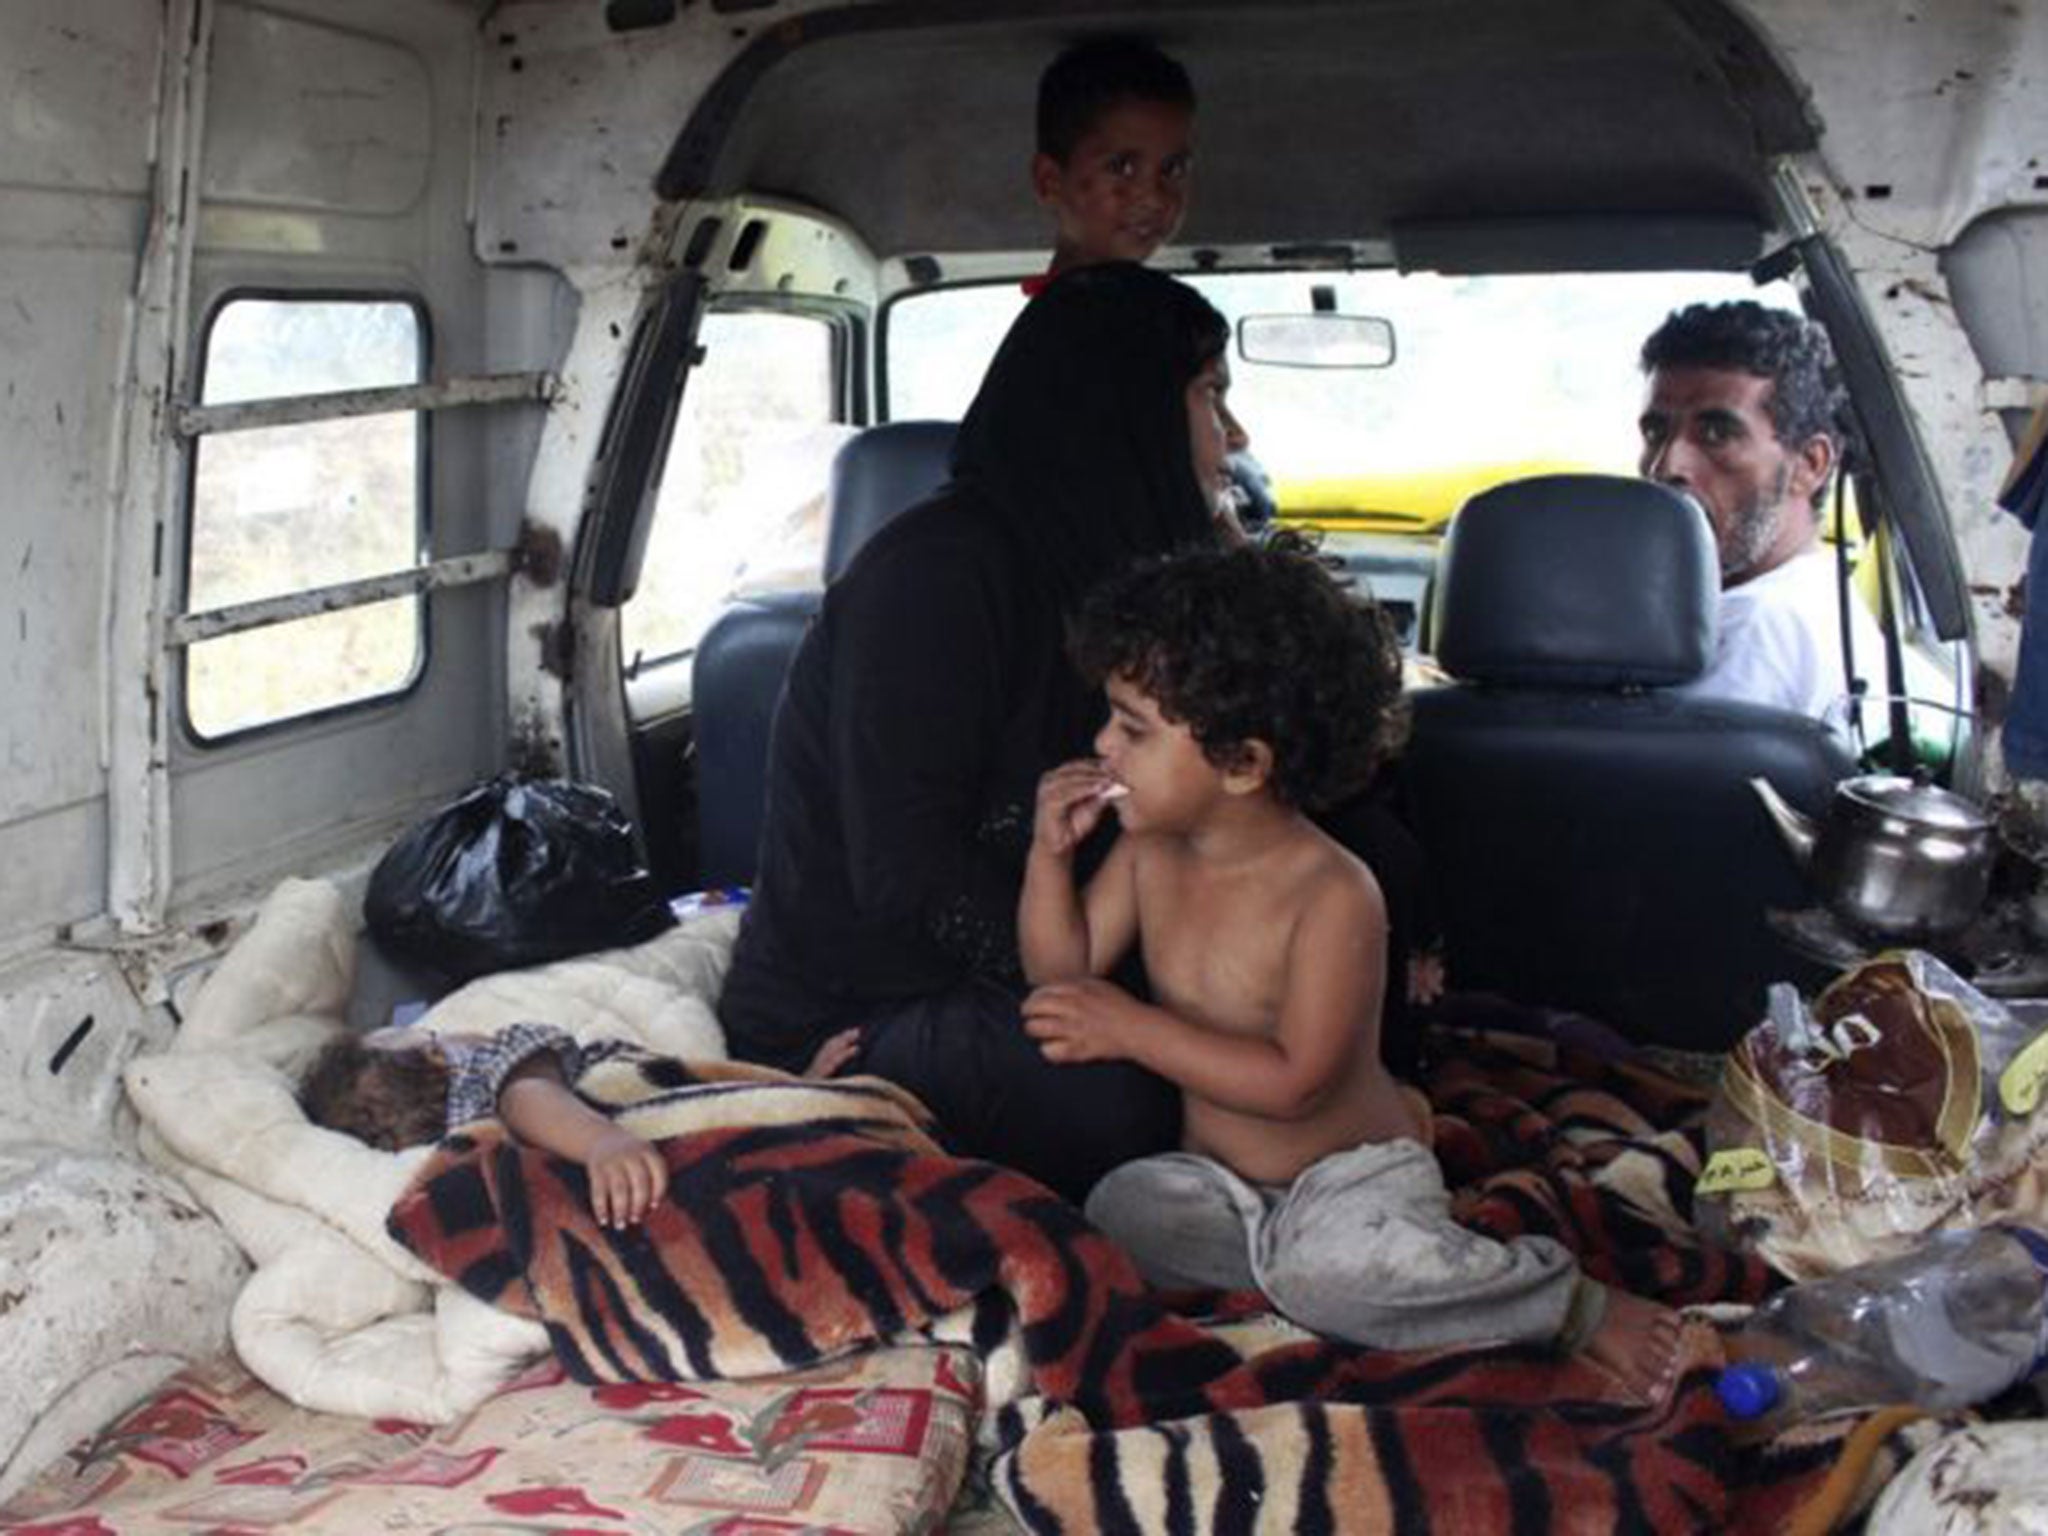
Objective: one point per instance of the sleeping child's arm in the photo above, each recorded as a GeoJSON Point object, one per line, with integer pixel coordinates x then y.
{"type": "Point", "coordinates": [626, 1173]}
{"type": "Point", "coordinates": [1064, 932]}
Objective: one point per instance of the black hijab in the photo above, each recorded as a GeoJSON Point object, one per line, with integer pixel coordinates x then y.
{"type": "Point", "coordinates": [1079, 433]}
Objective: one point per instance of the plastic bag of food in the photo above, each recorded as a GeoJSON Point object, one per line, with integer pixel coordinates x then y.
{"type": "Point", "coordinates": [513, 874]}
{"type": "Point", "coordinates": [1900, 1101]}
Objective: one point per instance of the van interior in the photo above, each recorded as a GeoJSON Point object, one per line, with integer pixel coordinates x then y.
{"type": "Point", "coordinates": [403, 392]}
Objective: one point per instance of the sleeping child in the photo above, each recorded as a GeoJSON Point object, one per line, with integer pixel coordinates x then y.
{"type": "Point", "coordinates": [400, 1088]}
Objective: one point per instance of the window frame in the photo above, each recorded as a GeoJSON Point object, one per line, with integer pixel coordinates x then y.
{"type": "Point", "coordinates": [423, 531]}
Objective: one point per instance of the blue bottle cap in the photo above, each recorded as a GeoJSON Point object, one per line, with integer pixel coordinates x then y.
{"type": "Point", "coordinates": [1749, 1390]}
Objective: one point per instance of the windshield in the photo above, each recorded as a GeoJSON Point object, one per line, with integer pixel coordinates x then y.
{"type": "Point", "coordinates": [1475, 381]}
{"type": "Point", "coordinates": [1491, 377]}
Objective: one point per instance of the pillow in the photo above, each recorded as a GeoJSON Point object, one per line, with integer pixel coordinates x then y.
{"type": "Point", "coordinates": [338, 1332]}
{"type": "Point", "coordinates": [661, 994]}
{"type": "Point", "coordinates": [284, 987]}
{"type": "Point", "coordinates": [238, 1119]}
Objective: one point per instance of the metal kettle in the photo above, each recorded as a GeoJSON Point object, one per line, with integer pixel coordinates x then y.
{"type": "Point", "coordinates": [1896, 857]}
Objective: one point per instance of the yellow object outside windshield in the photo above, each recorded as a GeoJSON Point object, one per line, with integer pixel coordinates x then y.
{"type": "Point", "coordinates": [1401, 501]}
{"type": "Point", "coordinates": [1422, 500]}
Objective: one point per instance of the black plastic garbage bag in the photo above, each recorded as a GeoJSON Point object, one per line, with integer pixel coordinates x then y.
{"type": "Point", "coordinates": [514, 873]}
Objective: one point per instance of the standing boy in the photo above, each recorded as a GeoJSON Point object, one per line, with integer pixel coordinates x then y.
{"type": "Point", "coordinates": [1116, 126]}
{"type": "Point", "coordinates": [1245, 686]}
{"type": "Point", "coordinates": [1116, 149]}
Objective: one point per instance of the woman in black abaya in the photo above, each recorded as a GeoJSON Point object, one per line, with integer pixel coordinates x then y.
{"type": "Point", "coordinates": [929, 696]}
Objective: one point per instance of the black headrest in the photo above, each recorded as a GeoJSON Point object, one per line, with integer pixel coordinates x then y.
{"type": "Point", "coordinates": [884, 470]}
{"type": "Point", "coordinates": [1577, 581]}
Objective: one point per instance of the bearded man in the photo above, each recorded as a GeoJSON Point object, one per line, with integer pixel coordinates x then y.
{"type": "Point", "coordinates": [1743, 415]}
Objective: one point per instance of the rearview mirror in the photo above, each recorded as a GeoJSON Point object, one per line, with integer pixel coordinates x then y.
{"type": "Point", "coordinates": [1316, 340]}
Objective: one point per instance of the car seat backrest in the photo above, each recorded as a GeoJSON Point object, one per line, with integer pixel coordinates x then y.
{"type": "Point", "coordinates": [1577, 581]}
{"type": "Point", "coordinates": [742, 659]}
{"type": "Point", "coordinates": [881, 472]}
{"type": "Point", "coordinates": [1592, 833]}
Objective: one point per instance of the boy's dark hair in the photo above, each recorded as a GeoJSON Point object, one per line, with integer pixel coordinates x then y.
{"type": "Point", "coordinates": [1092, 76]}
{"type": "Point", "coordinates": [1806, 399]}
{"type": "Point", "coordinates": [1260, 643]}
{"type": "Point", "coordinates": [390, 1099]}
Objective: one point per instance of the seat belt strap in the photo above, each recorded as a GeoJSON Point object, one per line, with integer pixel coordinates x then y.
{"type": "Point", "coordinates": [1844, 596]}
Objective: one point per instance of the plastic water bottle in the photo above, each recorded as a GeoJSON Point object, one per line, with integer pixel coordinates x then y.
{"type": "Point", "coordinates": [1953, 1323]}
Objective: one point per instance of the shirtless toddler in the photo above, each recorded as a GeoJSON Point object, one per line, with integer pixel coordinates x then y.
{"type": "Point", "coordinates": [1245, 688]}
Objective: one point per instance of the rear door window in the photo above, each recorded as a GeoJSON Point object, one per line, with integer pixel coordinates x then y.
{"type": "Point", "coordinates": [741, 507]}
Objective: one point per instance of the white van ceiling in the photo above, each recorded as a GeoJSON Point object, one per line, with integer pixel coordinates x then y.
{"type": "Point", "coordinates": [1321, 119]}
{"type": "Point", "coordinates": [1318, 121]}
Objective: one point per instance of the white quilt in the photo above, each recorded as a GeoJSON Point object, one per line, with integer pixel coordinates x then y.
{"type": "Point", "coordinates": [336, 1316]}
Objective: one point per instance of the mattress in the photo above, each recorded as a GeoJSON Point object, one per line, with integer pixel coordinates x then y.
{"type": "Point", "coordinates": [877, 1443]}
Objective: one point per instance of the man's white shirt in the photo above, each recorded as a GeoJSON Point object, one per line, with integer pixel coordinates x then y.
{"type": "Point", "coordinates": [1780, 642]}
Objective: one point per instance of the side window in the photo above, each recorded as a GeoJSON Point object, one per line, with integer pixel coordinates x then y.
{"type": "Point", "coordinates": [285, 509]}
{"type": "Point", "coordinates": [741, 507]}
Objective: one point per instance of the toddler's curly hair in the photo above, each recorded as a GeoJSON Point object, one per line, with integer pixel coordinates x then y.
{"type": "Point", "coordinates": [389, 1098]}
{"type": "Point", "coordinates": [1260, 643]}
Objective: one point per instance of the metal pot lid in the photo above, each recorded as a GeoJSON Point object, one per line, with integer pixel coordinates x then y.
{"type": "Point", "coordinates": [1927, 805]}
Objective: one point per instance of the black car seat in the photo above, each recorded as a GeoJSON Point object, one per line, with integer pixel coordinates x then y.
{"type": "Point", "coordinates": [1593, 836]}
{"type": "Point", "coordinates": [736, 677]}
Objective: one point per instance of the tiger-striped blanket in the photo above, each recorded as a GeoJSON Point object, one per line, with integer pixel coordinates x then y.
{"type": "Point", "coordinates": [803, 1220]}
